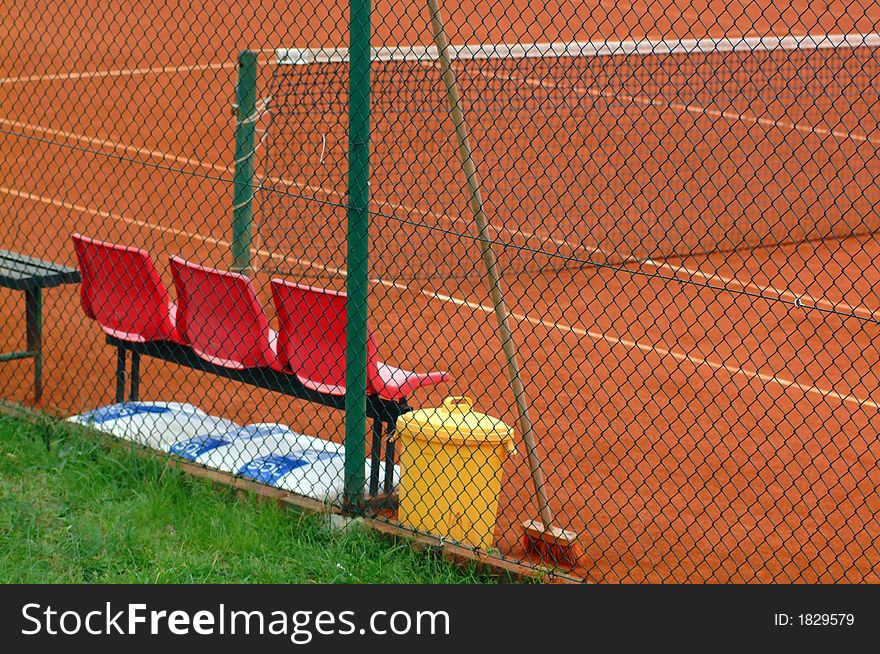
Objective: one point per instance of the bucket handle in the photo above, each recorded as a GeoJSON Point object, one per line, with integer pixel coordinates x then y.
{"type": "Point", "coordinates": [458, 404]}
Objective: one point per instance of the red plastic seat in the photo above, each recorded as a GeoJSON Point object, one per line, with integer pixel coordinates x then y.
{"type": "Point", "coordinates": [221, 318]}
{"type": "Point", "coordinates": [122, 290]}
{"type": "Point", "coordinates": [311, 343]}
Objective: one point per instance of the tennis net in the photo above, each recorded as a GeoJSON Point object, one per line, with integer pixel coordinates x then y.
{"type": "Point", "coordinates": [590, 153]}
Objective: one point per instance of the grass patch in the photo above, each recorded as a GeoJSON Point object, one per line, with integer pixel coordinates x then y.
{"type": "Point", "coordinates": [75, 511]}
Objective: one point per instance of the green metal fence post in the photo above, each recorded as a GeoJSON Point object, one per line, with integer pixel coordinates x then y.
{"type": "Point", "coordinates": [358, 252]}
{"type": "Point", "coordinates": [243, 189]}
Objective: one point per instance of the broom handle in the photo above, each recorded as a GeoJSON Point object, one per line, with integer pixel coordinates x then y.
{"type": "Point", "coordinates": [488, 255]}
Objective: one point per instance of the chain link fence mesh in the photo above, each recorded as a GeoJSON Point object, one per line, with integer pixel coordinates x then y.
{"type": "Point", "coordinates": [682, 199]}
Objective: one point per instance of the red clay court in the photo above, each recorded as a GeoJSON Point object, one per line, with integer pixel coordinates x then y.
{"type": "Point", "coordinates": [689, 245]}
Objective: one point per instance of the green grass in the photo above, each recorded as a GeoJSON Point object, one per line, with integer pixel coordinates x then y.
{"type": "Point", "coordinates": [73, 510]}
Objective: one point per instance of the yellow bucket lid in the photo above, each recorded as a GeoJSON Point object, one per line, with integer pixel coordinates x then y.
{"type": "Point", "coordinates": [457, 422]}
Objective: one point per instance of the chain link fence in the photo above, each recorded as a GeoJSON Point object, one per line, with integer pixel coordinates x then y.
{"type": "Point", "coordinates": [641, 239]}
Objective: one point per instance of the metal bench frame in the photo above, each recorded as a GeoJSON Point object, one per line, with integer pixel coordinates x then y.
{"type": "Point", "coordinates": [384, 413]}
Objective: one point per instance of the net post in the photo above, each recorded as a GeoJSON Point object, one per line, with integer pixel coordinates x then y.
{"type": "Point", "coordinates": [357, 283]}
{"type": "Point", "coordinates": [243, 190]}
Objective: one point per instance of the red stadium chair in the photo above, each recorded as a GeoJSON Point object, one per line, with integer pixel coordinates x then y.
{"type": "Point", "coordinates": [221, 317]}
{"type": "Point", "coordinates": [123, 292]}
{"type": "Point", "coordinates": [311, 343]}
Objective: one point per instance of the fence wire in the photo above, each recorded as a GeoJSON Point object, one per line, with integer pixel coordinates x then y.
{"type": "Point", "coordinates": [682, 200]}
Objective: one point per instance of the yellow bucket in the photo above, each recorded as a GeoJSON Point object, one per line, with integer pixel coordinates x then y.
{"type": "Point", "coordinates": [451, 467]}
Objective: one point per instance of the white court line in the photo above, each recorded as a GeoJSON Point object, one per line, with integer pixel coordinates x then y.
{"type": "Point", "coordinates": [804, 299]}
{"type": "Point", "coordinates": [199, 163]}
{"type": "Point", "coordinates": [121, 72]}
{"type": "Point", "coordinates": [111, 145]}
{"type": "Point", "coordinates": [644, 100]}
{"type": "Point", "coordinates": [101, 213]}
{"type": "Point", "coordinates": [744, 118]}
{"type": "Point", "coordinates": [155, 154]}
{"type": "Point", "coordinates": [662, 352]}
{"type": "Point", "coordinates": [551, 325]}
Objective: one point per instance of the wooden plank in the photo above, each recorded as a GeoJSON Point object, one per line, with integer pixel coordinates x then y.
{"type": "Point", "coordinates": [49, 266]}
{"type": "Point", "coordinates": [16, 280]}
{"type": "Point", "coordinates": [219, 477]}
{"type": "Point", "coordinates": [501, 568]}
{"type": "Point", "coordinates": [239, 483]}
{"type": "Point", "coordinates": [20, 272]}
{"type": "Point", "coordinates": [485, 562]}
{"type": "Point", "coordinates": [19, 280]}
{"type": "Point", "coordinates": [26, 266]}
{"type": "Point", "coordinates": [457, 554]}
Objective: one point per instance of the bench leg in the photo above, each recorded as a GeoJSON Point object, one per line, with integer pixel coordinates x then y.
{"type": "Point", "coordinates": [376, 451]}
{"type": "Point", "coordinates": [389, 460]}
{"type": "Point", "coordinates": [135, 376]}
{"type": "Point", "coordinates": [33, 307]}
{"type": "Point", "coordinates": [120, 375]}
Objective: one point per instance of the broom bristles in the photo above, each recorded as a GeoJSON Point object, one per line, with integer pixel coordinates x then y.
{"type": "Point", "coordinates": [552, 544]}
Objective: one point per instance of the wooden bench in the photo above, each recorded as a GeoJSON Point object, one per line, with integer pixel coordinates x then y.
{"type": "Point", "coordinates": [22, 273]}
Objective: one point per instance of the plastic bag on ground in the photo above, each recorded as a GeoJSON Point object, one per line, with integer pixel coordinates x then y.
{"type": "Point", "coordinates": [155, 424]}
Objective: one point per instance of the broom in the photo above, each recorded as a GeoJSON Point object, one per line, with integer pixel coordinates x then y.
{"type": "Point", "coordinates": [542, 538]}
